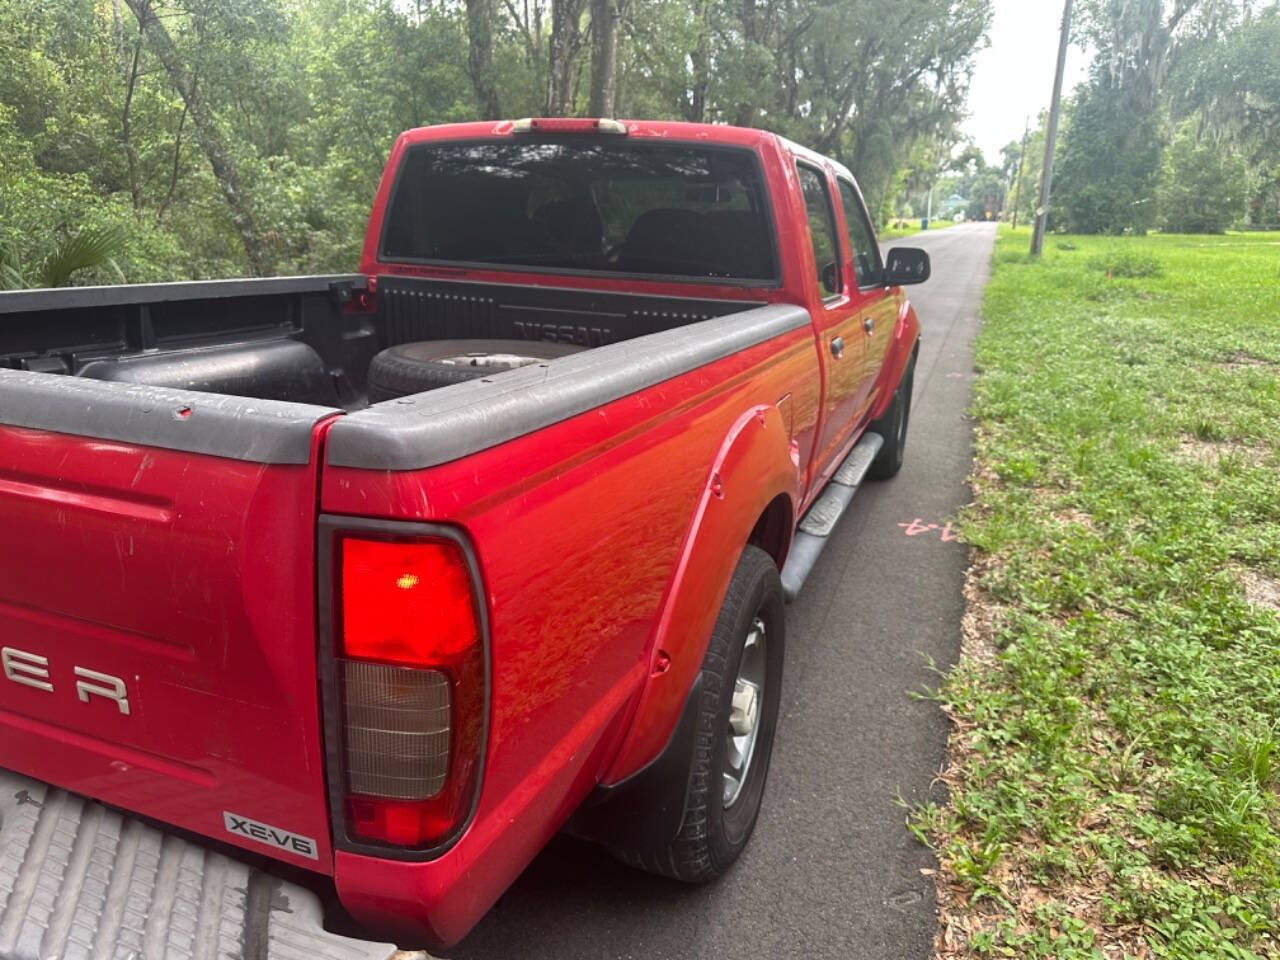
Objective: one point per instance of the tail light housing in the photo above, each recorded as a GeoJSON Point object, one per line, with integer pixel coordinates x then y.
{"type": "Point", "coordinates": [404, 662]}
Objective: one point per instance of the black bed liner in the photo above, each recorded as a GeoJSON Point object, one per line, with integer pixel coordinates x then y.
{"type": "Point", "coordinates": [412, 309]}
{"type": "Point", "coordinates": [298, 339]}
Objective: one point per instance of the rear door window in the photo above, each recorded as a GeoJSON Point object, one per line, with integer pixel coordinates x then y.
{"type": "Point", "coordinates": [822, 228]}
{"type": "Point", "coordinates": [862, 240]}
{"type": "Point", "coordinates": [616, 206]}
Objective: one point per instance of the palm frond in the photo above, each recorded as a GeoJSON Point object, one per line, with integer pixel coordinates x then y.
{"type": "Point", "coordinates": [11, 276]}
{"type": "Point", "coordinates": [89, 248]}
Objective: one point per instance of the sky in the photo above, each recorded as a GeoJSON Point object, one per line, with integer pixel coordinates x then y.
{"type": "Point", "coordinates": [1013, 78]}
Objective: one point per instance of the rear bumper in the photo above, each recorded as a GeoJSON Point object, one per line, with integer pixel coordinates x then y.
{"type": "Point", "coordinates": [79, 880]}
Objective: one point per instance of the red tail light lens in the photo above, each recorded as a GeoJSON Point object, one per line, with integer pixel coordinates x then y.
{"type": "Point", "coordinates": [406, 603]}
{"type": "Point", "coordinates": [410, 675]}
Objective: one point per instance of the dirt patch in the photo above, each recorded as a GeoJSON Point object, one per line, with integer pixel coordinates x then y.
{"type": "Point", "coordinates": [1071, 517]}
{"type": "Point", "coordinates": [983, 617]}
{"type": "Point", "coordinates": [984, 479]}
{"type": "Point", "coordinates": [1210, 453]}
{"type": "Point", "coordinates": [1262, 591]}
{"type": "Point", "coordinates": [1243, 360]}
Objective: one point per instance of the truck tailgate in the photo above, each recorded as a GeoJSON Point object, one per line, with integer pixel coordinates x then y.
{"type": "Point", "coordinates": [157, 613]}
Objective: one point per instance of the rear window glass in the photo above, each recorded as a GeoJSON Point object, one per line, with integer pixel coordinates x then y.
{"type": "Point", "coordinates": [635, 208]}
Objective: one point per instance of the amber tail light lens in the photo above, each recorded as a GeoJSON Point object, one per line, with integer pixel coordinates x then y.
{"type": "Point", "coordinates": [410, 673]}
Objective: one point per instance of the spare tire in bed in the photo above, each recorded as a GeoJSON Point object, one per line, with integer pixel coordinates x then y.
{"type": "Point", "coordinates": [414, 367]}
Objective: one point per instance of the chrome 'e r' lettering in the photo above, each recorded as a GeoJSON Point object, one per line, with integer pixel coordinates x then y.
{"type": "Point", "coordinates": [93, 683]}
{"type": "Point", "coordinates": [28, 669]}
{"type": "Point", "coordinates": [32, 670]}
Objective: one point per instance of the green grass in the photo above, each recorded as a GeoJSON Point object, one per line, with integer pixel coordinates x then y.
{"type": "Point", "coordinates": [1116, 750]}
{"type": "Point", "coordinates": [910, 228]}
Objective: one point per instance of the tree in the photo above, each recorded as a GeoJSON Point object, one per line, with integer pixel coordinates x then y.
{"type": "Point", "coordinates": [986, 195]}
{"type": "Point", "coordinates": [1231, 87]}
{"type": "Point", "coordinates": [606, 17]}
{"type": "Point", "coordinates": [1110, 162]}
{"type": "Point", "coordinates": [1203, 187]}
{"type": "Point", "coordinates": [250, 135]}
{"type": "Point", "coordinates": [1138, 42]}
{"type": "Point", "coordinates": [210, 136]}
{"type": "Point", "coordinates": [566, 45]}
{"type": "Point", "coordinates": [1112, 158]}
{"type": "Point", "coordinates": [480, 57]}
{"type": "Point", "coordinates": [866, 81]}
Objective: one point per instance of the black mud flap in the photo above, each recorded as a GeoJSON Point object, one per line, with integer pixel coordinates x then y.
{"type": "Point", "coordinates": [78, 880]}
{"type": "Point", "coordinates": [646, 809]}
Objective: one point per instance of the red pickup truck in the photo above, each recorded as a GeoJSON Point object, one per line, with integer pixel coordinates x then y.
{"type": "Point", "coordinates": [392, 576]}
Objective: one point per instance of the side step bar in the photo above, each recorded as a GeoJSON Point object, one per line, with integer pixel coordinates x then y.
{"type": "Point", "coordinates": [821, 518]}
{"type": "Point", "coordinates": [80, 881]}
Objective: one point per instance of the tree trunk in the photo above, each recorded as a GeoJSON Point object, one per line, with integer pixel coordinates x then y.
{"type": "Point", "coordinates": [117, 24]}
{"type": "Point", "coordinates": [173, 175]}
{"type": "Point", "coordinates": [480, 57]}
{"type": "Point", "coordinates": [566, 44]}
{"type": "Point", "coordinates": [700, 61]}
{"type": "Point", "coordinates": [207, 133]}
{"type": "Point", "coordinates": [126, 127]}
{"type": "Point", "coordinates": [606, 16]}
{"type": "Point", "coordinates": [746, 112]}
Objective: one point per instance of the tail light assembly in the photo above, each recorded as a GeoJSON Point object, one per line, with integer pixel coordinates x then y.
{"type": "Point", "coordinates": [404, 669]}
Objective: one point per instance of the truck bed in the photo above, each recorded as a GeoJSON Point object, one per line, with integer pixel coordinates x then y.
{"type": "Point", "coordinates": [304, 339]}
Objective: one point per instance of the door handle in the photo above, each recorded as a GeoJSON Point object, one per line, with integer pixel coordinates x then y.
{"type": "Point", "coordinates": [837, 347]}
{"type": "Point", "coordinates": [868, 325]}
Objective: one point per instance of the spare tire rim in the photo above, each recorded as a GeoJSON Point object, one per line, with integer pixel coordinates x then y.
{"type": "Point", "coordinates": [744, 713]}
{"type": "Point", "coordinates": [504, 360]}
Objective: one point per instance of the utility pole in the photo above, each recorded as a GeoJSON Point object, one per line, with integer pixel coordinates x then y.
{"type": "Point", "coordinates": [1046, 173]}
{"type": "Point", "coordinates": [1022, 155]}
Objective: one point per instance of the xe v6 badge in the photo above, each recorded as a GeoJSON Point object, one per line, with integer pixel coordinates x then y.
{"type": "Point", "coordinates": [269, 835]}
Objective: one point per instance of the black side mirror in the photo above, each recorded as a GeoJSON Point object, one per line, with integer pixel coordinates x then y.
{"type": "Point", "coordinates": [829, 278]}
{"type": "Point", "coordinates": [905, 265]}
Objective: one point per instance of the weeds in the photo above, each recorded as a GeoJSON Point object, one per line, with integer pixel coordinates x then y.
{"type": "Point", "coordinates": [1115, 768]}
{"type": "Point", "coordinates": [1124, 263]}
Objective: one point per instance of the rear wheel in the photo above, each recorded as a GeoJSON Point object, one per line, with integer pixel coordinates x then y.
{"type": "Point", "coordinates": [893, 427]}
{"type": "Point", "coordinates": [738, 716]}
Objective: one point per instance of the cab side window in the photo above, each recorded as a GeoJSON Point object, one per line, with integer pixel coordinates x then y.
{"type": "Point", "coordinates": [822, 228]}
{"type": "Point", "coordinates": [862, 241]}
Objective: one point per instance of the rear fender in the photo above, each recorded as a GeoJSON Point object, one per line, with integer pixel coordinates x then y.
{"type": "Point", "coordinates": [905, 337]}
{"type": "Point", "coordinates": [756, 463]}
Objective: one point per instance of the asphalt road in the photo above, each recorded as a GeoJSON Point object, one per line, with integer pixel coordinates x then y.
{"type": "Point", "coordinates": [831, 870]}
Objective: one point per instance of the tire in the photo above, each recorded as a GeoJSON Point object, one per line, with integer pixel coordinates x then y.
{"type": "Point", "coordinates": [893, 427]}
{"type": "Point", "coordinates": [714, 833]}
{"type": "Point", "coordinates": [414, 367]}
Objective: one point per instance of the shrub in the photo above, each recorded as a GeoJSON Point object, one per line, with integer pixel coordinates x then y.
{"type": "Point", "coordinates": [1203, 186]}
{"type": "Point", "coordinates": [1127, 264]}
